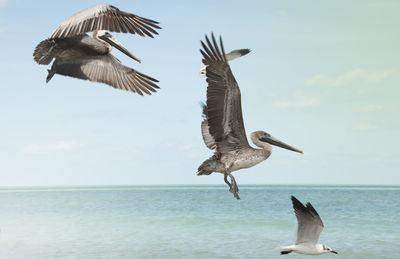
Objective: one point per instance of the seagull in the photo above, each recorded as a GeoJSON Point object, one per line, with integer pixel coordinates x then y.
{"type": "Point", "coordinates": [78, 55]}
{"type": "Point", "coordinates": [308, 228]}
{"type": "Point", "coordinates": [237, 53]}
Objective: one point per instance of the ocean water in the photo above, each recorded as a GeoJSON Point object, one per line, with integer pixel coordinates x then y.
{"type": "Point", "coordinates": [193, 221]}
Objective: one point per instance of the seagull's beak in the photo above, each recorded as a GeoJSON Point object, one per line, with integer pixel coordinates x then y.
{"type": "Point", "coordinates": [334, 252]}
{"type": "Point", "coordinates": [113, 42]}
{"type": "Point", "coordinates": [276, 142]}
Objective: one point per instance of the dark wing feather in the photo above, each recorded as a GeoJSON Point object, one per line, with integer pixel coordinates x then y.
{"type": "Point", "coordinates": [106, 69]}
{"type": "Point", "coordinates": [224, 110]}
{"type": "Point", "coordinates": [309, 223]}
{"type": "Point", "coordinates": [205, 131]}
{"type": "Point", "coordinates": [105, 17]}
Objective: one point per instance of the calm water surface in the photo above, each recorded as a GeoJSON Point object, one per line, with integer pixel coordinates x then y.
{"type": "Point", "coordinates": [193, 221]}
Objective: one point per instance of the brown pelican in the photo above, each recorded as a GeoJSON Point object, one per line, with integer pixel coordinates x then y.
{"type": "Point", "coordinates": [81, 56]}
{"type": "Point", "coordinates": [222, 127]}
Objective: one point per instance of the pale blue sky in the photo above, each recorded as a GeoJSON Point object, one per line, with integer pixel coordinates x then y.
{"type": "Point", "coordinates": [322, 76]}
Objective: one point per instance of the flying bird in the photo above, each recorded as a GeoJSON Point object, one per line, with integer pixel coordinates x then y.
{"type": "Point", "coordinates": [78, 55]}
{"type": "Point", "coordinates": [308, 228]}
{"type": "Point", "coordinates": [222, 126]}
{"type": "Point", "coordinates": [234, 54]}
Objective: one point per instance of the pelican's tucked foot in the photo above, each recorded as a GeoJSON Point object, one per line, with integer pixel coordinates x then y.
{"type": "Point", "coordinates": [285, 252]}
{"type": "Point", "coordinates": [50, 75]}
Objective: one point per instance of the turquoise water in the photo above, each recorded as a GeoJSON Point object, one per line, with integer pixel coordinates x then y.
{"type": "Point", "coordinates": [193, 221]}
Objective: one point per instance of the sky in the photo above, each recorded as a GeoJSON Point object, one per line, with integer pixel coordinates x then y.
{"type": "Point", "coordinates": [322, 76]}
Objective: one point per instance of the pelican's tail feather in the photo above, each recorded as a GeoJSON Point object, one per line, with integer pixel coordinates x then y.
{"type": "Point", "coordinates": [210, 165]}
{"type": "Point", "coordinates": [43, 52]}
{"type": "Point", "coordinates": [202, 170]}
{"type": "Point", "coordinates": [206, 168]}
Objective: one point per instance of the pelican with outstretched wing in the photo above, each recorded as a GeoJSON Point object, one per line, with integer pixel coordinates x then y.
{"type": "Point", "coordinates": [78, 55]}
{"type": "Point", "coordinates": [222, 128]}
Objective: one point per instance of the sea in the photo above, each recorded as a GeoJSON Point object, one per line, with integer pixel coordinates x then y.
{"type": "Point", "coordinates": [193, 221]}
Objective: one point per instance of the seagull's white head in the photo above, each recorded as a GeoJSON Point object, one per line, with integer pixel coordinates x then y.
{"type": "Point", "coordinates": [327, 249]}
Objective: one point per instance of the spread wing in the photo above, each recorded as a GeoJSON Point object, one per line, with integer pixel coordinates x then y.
{"type": "Point", "coordinates": [237, 53]}
{"type": "Point", "coordinates": [309, 224]}
{"type": "Point", "coordinates": [105, 69]}
{"type": "Point", "coordinates": [104, 17]}
{"type": "Point", "coordinates": [224, 110]}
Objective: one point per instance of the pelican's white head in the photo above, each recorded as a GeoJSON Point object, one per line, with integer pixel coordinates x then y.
{"type": "Point", "coordinates": [106, 38]}
{"type": "Point", "coordinates": [265, 137]}
{"type": "Point", "coordinates": [98, 33]}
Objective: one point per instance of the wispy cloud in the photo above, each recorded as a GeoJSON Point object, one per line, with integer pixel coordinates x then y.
{"type": "Point", "coordinates": [371, 108]}
{"type": "Point", "coordinates": [356, 75]}
{"type": "Point", "coordinates": [57, 147]}
{"type": "Point", "coordinates": [298, 101]}
{"type": "Point", "coordinates": [364, 126]}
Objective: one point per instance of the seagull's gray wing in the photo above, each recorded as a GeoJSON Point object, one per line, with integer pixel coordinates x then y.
{"type": "Point", "coordinates": [105, 69]}
{"type": "Point", "coordinates": [309, 224]}
{"type": "Point", "coordinates": [224, 109]}
{"type": "Point", "coordinates": [104, 17]}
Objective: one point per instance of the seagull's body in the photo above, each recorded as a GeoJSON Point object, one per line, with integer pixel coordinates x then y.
{"type": "Point", "coordinates": [307, 249]}
{"type": "Point", "coordinates": [308, 228]}
{"type": "Point", "coordinates": [223, 128]}
{"type": "Point", "coordinates": [78, 55]}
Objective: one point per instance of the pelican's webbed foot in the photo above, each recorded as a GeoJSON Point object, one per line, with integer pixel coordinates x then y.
{"type": "Point", "coordinates": [226, 180]}
{"type": "Point", "coordinates": [233, 188]}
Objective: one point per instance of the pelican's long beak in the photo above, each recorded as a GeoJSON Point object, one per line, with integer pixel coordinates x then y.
{"type": "Point", "coordinates": [276, 142]}
{"type": "Point", "coordinates": [334, 252]}
{"type": "Point", "coordinates": [113, 42]}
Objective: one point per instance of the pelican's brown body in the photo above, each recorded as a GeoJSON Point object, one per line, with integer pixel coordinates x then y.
{"type": "Point", "coordinates": [73, 47]}
{"type": "Point", "coordinates": [238, 159]}
{"type": "Point", "coordinates": [66, 50]}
